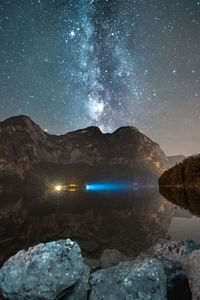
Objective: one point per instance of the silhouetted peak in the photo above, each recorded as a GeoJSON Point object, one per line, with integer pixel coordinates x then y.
{"type": "Point", "coordinates": [94, 130]}
{"type": "Point", "coordinates": [22, 124]}
{"type": "Point", "coordinates": [21, 120]}
{"type": "Point", "coordinates": [18, 120]}
{"type": "Point", "coordinates": [126, 130]}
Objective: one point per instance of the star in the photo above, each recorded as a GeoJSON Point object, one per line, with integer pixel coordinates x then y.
{"type": "Point", "coordinates": [72, 33]}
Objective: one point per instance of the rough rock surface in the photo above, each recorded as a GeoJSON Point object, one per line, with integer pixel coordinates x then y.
{"type": "Point", "coordinates": [177, 281]}
{"type": "Point", "coordinates": [47, 271]}
{"type": "Point", "coordinates": [56, 270]}
{"type": "Point", "coordinates": [174, 251]}
{"type": "Point", "coordinates": [192, 269]}
{"type": "Point", "coordinates": [24, 146]}
{"type": "Point", "coordinates": [141, 281]}
{"type": "Point", "coordinates": [111, 257]}
{"type": "Point", "coordinates": [187, 254]}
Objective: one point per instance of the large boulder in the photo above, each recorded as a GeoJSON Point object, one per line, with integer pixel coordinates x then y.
{"type": "Point", "coordinates": [49, 271]}
{"type": "Point", "coordinates": [174, 251]}
{"type": "Point", "coordinates": [111, 257]}
{"type": "Point", "coordinates": [143, 278]}
{"type": "Point", "coordinates": [187, 255]}
{"type": "Point", "coordinates": [130, 280]}
{"type": "Point", "coordinates": [56, 270]}
{"type": "Point", "coordinates": [192, 269]}
{"type": "Point", "coordinates": [177, 281]}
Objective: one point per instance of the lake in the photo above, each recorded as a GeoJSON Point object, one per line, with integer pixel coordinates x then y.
{"type": "Point", "coordinates": [129, 220]}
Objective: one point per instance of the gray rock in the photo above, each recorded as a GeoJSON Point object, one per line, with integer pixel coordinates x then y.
{"type": "Point", "coordinates": [177, 282]}
{"type": "Point", "coordinates": [47, 271]}
{"type": "Point", "coordinates": [92, 263]}
{"type": "Point", "coordinates": [56, 270]}
{"type": "Point", "coordinates": [111, 257]}
{"type": "Point", "coordinates": [130, 280]}
{"type": "Point", "coordinates": [187, 255]}
{"type": "Point", "coordinates": [174, 251]}
{"type": "Point", "coordinates": [192, 269]}
{"type": "Point", "coordinates": [191, 246]}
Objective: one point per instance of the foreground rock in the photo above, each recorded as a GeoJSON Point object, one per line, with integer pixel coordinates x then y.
{"type": "Point", "coordinates": [173, 251]}
{"type": "Point", "coordinates": [56, 270]}
{"type": "Point", "coordinates": [187, 255]}
{"type": "Point", "coordinates": [142, 280]}
{"type": "Point", "coordinates": [46, 272]}
{"type": "Point", "coordinates": [111, 257]}
{"type": "Point", "coordinates": [192, 269]}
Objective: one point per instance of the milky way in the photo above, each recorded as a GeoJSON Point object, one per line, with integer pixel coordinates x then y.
{"type": "Point", "coordinates": [69, 64]}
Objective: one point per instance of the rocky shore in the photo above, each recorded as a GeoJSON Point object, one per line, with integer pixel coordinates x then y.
{"type": "Point", "coordinates": [57, 270]}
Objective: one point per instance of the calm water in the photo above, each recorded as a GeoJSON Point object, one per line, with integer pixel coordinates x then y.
{"type": "Point", "coordinates": [130, 221]}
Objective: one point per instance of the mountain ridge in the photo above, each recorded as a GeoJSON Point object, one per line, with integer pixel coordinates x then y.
{"type": "Point", "coordinates": [126, 151]}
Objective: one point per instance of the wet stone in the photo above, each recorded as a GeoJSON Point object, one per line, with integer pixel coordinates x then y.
{"type": "Point", "coordinates": [46, 272]}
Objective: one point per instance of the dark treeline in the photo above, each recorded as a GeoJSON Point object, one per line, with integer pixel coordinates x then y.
{"type": "Point", "coordinates": [185, 173]}
{"type": "Point", "coordinates": [186, 198]}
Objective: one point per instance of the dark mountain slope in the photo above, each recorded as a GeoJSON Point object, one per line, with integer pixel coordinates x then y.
{"type": "Point", "coordinates": [186, 173]}
{"type": "Point", "coordinates": [25, 149]}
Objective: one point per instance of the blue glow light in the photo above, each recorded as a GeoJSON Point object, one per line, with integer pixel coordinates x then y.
{"type": "Point", "coordinates": [109, 187]}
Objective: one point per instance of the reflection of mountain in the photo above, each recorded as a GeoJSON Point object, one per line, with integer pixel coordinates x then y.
{"type": "Point", "coordinates": [127, 222]}
{"type": "Point", "coordinates": [82, 154]}
{"type": "Point", "coordinates": [186, 198]}
{"type": "Point", "coordinates": [186, 173]}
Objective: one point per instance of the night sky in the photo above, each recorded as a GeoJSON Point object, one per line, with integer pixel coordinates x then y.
{"type": "Point", "coordinates": [69, 64]}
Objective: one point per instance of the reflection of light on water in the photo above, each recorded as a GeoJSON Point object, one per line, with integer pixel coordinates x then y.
{"type": "Point", "coordinates": [57, 187]}
{"type": "Point", "coordinates": [102, 186]}
{"type": "Point", "coordinates": [111, 187]}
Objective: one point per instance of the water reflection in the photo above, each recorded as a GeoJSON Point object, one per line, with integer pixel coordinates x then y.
{"type": "Point", "coordinates": [185, 222]}
{"type": "Point", "coordinates": [189, 199]}
{"type": "Point", "coordinates": [129, 222]}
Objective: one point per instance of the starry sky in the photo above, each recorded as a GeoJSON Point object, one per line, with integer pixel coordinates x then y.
{"type": "Point", "coordinates": [70, 64]}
